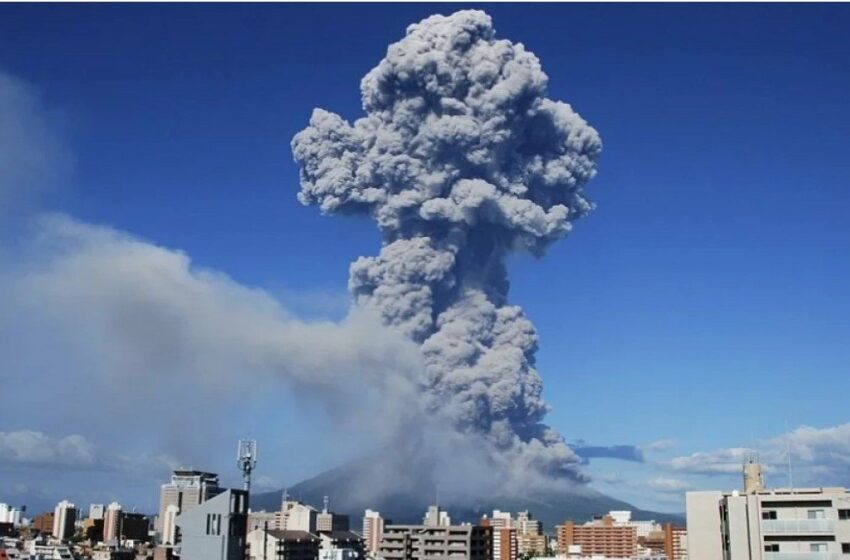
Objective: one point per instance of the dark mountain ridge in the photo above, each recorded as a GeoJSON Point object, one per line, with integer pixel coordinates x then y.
{"type": "Point", "coordinates": [580, 503]}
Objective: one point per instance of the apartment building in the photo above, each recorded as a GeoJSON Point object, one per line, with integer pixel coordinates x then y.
{"type": "Point", "coordinates": [601, 537]}
{"type": "Point", "coordinates": [277, 544]}
{"type": "Point", "coordinates": [436, 542]}
{"type": "Point", "coordinates": [675, 542]}
{"type": "Point", "coordinates": [373, 529]}
{"type": "Point", "coordinates": [780, 524]}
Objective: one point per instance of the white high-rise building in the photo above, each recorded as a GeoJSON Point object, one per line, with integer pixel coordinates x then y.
{"type": "Point", "coordinates": [527, 525]}
{"type": "Point", "coordinates": [373, 529]}
{"type": "Point", "coordinates": [64, 519]}
{"type": "Point", "coordinates": [9, 514]}
{"type": "Point", "coordinates": [436, 517]}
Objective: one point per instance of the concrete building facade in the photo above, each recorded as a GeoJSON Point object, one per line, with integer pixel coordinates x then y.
{"type": "Point", "coordinates": [781, 524]}
{"type": "Point", "coordinates": [187, 489]}
{"type": "Point", "coordinates": [435, 542]}
{"type": "Point", "coordinates": [215, 529]}
{"type": "Point", "coordinates": [276, 544]}
{"type": "Point", "coordinates": [262, 520]}
{"type": "Point", "coordinates": [295, 516]}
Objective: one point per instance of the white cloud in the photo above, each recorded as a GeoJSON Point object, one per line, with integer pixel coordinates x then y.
{"type": "Point", "coordinates": [33, 448]}
{"type": "Point", "coordinates": [666, 484]}
{"type": "Point", "coordinates": [820, 456]}
{"type": "Point", "coordinates": [660, 445]}
{"type": "Point", "coordinates": [719, 461]}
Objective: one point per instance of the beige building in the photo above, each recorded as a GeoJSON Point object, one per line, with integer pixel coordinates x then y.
{"type": "Point", "coordinates": [262, 520]}
{"type": "Point", "coordinates": [112, 522]}
{"type": "Point", "coordinates": [602, 537]}
{"type": "Point", "coordinates": [373, 529]}
{"type": "Point", "coordinates": [295, 516]}
{"type": "Point", "coordinates": [187, 489]}
{"type": "Point", "coordinates": [531, 544]}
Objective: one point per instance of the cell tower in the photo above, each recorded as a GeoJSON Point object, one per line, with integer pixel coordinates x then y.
{"type": "Point", "coordinates": [246, 459]}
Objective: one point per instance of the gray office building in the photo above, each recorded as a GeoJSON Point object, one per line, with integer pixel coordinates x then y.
{"type": "Point", "coordinates": [215, 529]}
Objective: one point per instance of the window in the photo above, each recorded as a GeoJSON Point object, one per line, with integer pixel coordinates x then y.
{"type": "Point", "coordinates": [844, 514]}
{"type": "Point", "coordinates": [817, 547]}
{"type": "Point", "coordinates": [771, 547]}
{"type": "Point", "coordinates": [817, 514]}
{"type": "Point", "coordinates": [845, 548]}
{"type": "Point", "coordinates": [768, 514]}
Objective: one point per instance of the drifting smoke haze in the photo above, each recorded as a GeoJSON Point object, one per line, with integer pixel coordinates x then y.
{"type": "Point", "coordinates": [460, 159]}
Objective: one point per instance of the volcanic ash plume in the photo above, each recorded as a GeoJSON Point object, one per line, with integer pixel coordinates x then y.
{"type": "Point", "coordinates": [460, 159]}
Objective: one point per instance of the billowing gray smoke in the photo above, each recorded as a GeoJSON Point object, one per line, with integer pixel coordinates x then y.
{"type": "Point", "coordinates": [460, 159]}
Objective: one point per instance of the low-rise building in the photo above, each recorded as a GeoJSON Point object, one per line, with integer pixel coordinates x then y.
{"type": "Point", "coordinates": [43, 523]}
{"type": "Point", "coordinates": [276, 544]}
{"type": "Point", "coordinates": [262, 520]}
{"type": "Point", "coordinates": [436, 542]}
{"type": "Point", "coordinates": [340, 545]}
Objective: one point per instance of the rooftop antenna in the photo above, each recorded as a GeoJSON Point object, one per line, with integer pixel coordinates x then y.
{"type": "Point", "coordinates": [788, 456]}
{"type": "Point", "coordinates": [325, 502]}
{"type": "Point", "coordinates": [246, 460]}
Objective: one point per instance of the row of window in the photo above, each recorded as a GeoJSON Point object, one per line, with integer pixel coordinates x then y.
{"type": "Point", "coordinates": [813, 547]}
{"type": "Point", "coordinates": [843, 514]}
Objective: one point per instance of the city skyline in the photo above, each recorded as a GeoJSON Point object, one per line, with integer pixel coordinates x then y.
{"type": "Point", "coordinates": [697, 310]}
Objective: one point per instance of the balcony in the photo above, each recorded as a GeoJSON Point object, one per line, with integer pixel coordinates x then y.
{"type": "Point", "coordinates": [802, 556]}
{"type": "Point", "coordinates": [797, 527]}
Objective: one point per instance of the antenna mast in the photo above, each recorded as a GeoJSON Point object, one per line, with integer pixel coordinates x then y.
{"type": "Point", "coordinates": [246, 460]}
{"type": "Point", "coordinates": [788, 456]}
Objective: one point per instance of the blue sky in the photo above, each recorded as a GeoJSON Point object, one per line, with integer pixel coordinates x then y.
{"type": "Point", "coordinates": [706, 292]}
